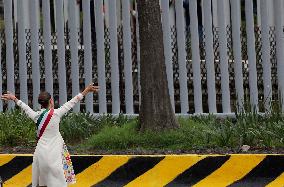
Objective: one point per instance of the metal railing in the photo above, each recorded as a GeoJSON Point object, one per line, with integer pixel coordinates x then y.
{"type": "Point", "coordinates": [210, 69]}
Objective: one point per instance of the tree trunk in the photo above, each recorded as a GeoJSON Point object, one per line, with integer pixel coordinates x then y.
{"type": "Point", "coordinates": [156, 112]}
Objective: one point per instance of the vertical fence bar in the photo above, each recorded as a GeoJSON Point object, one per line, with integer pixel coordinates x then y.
{"type": "Point", "coordinates": [99, 21]}
{"type": "Point", "coordinates": [87, 52]}
{"type": "Point", "coordinates": [236, 32]}
{"type": "Point", "coordinates": [15, 16]}
{"type": "Point", "coordinates": [9, 48]}
{"type": "Point", "coordinates": [214, 13]}
{"type": "Point", "coordinates": [54, 12]}
{"type": "Point", "coordinates": [279, 48]}
{"type": "Point", "coordinates": [74, 50]}
{"type": "Point", "coordinates": [65, 11]}
{"type": "Point", "coordinates": [251, 55]}
{"type": "Point", "coordinates": [25, 10]}
{"type": "Point", "coordinates": [195, 56]}
{"type": "Point", "coordinates": [22, 54]}
{"type": "Point", "coordinates": [270, 13]}
{"type": "Point", "coordinates": [35, 51]}
{"type": "Point", "coordinates": [127, 56]}
{"type": "Point", "coordinates": [114, 58]}
{"type": "Point", "coordinates": [258, 13]}
{"type": "Point", "coordinates": [106, 13]}
{"type": "Point", "coordinates": [61, 52]}
{"type": "Point", "coordinates": [181, 56]}
{"type": "Point", "coordinates": [47, 46]}
{"type": "Point", "coordinates": [223, 57]}
{"type": "Point", "coordinates": [209, 58]}
{"type": "Point", "coordinates": [227, 12]}
{"type": "Point", "coordinates": [283, 8]}
{"type": "Point", "coordinates": [138, 52]}
{"type": "Point", "coordinates": [265, 50]}
{"type": "Point", "coordinates": [37, 9]}
{"type": "Point", "coordinates": [77, 13]}
{"type": "Point", "coordinates": [167, 49]}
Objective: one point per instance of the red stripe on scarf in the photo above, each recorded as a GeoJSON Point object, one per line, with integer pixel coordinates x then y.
{"type": "Point", "coordinates": [45, 123]}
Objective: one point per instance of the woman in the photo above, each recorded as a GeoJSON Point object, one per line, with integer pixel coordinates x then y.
{"type": "Point", "coordinates": [51, 166]}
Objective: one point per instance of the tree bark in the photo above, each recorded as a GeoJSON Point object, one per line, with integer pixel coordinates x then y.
{"type": "Point", "coordinates": [156, 111]}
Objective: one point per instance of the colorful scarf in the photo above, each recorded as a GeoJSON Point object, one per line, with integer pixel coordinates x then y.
{"type": "Point", "coordinates": [43, 121]}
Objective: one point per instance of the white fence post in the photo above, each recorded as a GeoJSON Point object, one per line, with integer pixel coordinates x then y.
{"type": "Point", "coordinates": [99, 21]}
{"type": "Point", "coordinates": [61, 52]}
{"type": "Point", "coordinates": [264, 17]}
{"type": "Point", "coordinates": [223, 49]}
{"type": "Point", "coordinates": [15, 16]}
{"type": "Point", "coordinates": [195, 56]}
{"type": "Point", "coordinates": [114, 58]}
{"type": "Point", "coordinates": [280, 48]}
{"type": "Point", "coordinates": [270, 13]}
{"type": "Point", "coordinates": [22, 54]}
{"type": "Point", "coordinates": [74, 50]}
{"type": "Point", "coordinates": [65, 10]}
{"type": "Point", "coordinates": [251, 55]}
{"type": "Point", "coordinates": [9, 48]}
{"type": "Point", "coordinates": [35, 51]}
{"type": "Point", "coordinates": [167, 49]}
{"type": "Point", "coordinates": [266, 61]}
{"type": "Point", "coordinates": [236, 33]}
{"type": "Point", "coordinates": [138, 53]}
{"type": "Point", "coordinates": [88, 67]}
{"type": "Point", "coordinates": [210, 58]}
{"type": "Point", "coordinates": [127, 56]}
{"type": "Point", "coordinates": [47, 46]}
{"type": "Point", "coordinates": [258, 22]}
{"type": "Point", "coordinates": [214, 13]}
{"type": "Point", "coordinates": [181, 56]}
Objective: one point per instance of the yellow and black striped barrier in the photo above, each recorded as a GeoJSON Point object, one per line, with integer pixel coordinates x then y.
{"type": "Point", "coordinates": [170, 170]}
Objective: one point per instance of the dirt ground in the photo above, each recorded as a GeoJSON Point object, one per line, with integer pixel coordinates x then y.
{"type": "Point", "coordinates": [30, 150]}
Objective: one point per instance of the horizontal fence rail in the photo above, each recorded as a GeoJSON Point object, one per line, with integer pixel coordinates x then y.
{"type": "Point", "coordinates": [225, 61]}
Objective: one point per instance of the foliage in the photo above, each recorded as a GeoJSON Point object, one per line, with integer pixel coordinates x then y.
{"type": "Point", "coordinates": [88, 132]}
{"type": "Point", "coordinates": [16, 128]}
{"type": "Point", "coordinates": [76, 127]}
{"type": "Point", "coordinates": [194, 133]}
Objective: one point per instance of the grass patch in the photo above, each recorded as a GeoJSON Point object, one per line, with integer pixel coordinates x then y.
{"type": "Point", "coordinates": [87, 133]}
{"type": "Point", "coordinates": [194, 133]}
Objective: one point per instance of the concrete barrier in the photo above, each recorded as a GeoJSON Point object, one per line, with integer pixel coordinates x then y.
{"type": "Point", "coordinates": [165, 170]}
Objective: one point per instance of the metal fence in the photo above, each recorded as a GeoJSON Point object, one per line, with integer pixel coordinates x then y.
{"type": "Point", "coordinates": [210, 69]}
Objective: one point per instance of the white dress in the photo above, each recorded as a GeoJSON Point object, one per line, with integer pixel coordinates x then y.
{"type": "Point", "coordinates": [47, 167]}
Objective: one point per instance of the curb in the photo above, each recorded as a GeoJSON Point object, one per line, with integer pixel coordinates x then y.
{"type": "Point", "coordinates": [159, 170]}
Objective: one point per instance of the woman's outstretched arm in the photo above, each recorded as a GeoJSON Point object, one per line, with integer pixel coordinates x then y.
{"type": "Point", "coordinates": [30, 112]}
{"type": "Point", "coordinates": [70, 104]}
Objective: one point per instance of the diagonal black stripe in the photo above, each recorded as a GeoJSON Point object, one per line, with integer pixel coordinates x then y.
{"type": "Point", "coordinates": [264, 173]}
{"type": "Point", "coordinates": [199, 171]}
{"type": "Point", "coordinates": [131, 170]}
{"type": "Point", "coordinates": [15, 166]}
{"type": "Point", "coordinates": [80, 163]}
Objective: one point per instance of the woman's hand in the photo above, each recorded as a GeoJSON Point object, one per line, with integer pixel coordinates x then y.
{"type": "Point", "coordinates": [9, 96]}
{"type": "Point", "coordinates": [91, 88]}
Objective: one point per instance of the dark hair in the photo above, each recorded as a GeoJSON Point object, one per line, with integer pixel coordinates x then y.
{"type": "Point", "coordinates": [43, 99]}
